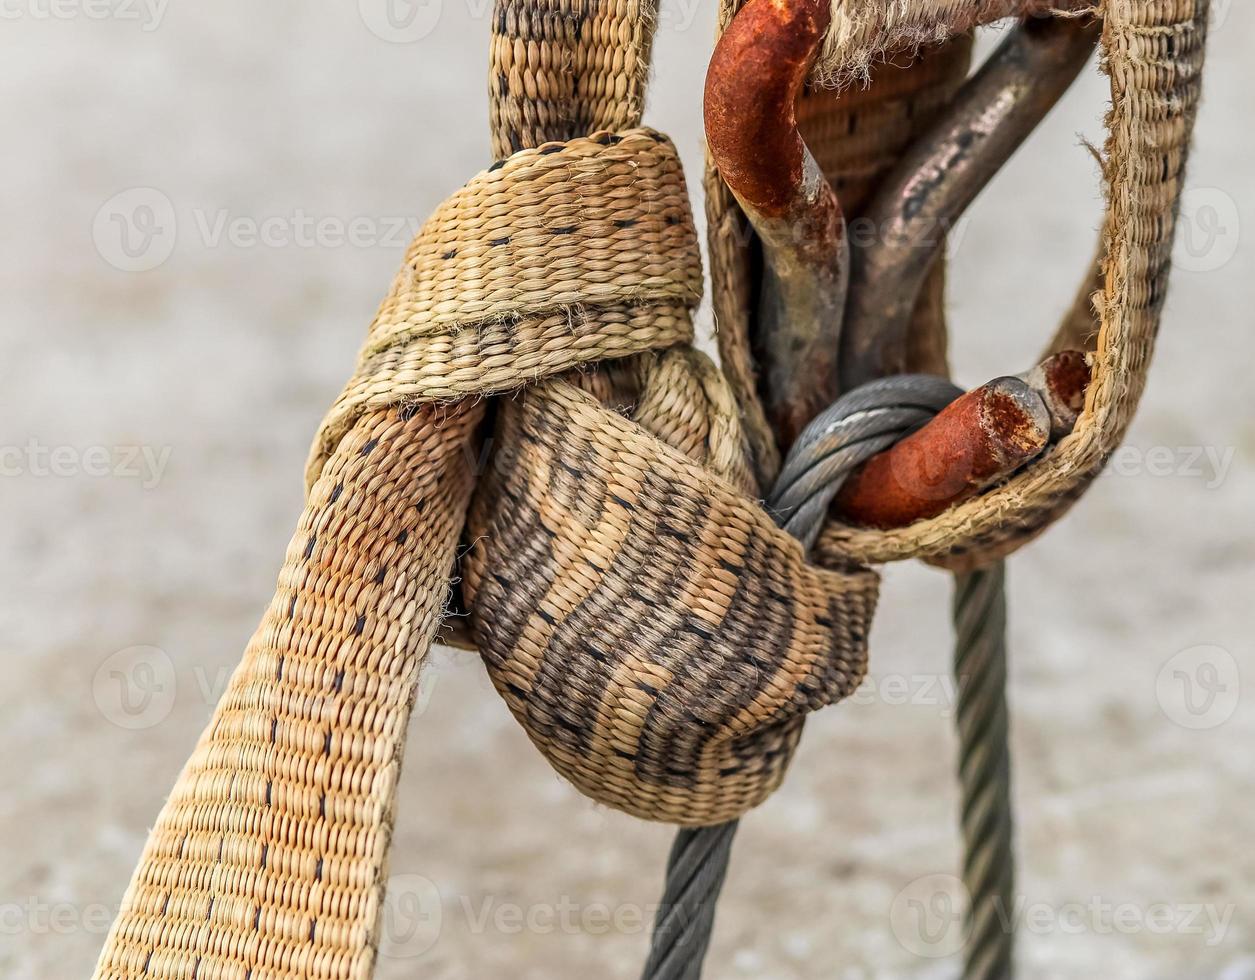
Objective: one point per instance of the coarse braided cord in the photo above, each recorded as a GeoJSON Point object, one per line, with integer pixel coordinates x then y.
{"type": "Point", "coordinates": [856, 427]}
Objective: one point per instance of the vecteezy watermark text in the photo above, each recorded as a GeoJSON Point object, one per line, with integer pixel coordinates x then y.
{"type": "Point", "coordinates": [138, 229]}
{"type": "Point", "coordinates": [1208, 464]}
{"type": "Point", "coordinates": [146, 464]}
{"type": "Point", "coordinates": [39, 917]}
{"type": "Point", "coordinates": [416, 912]}
{"type": "Point", "coordinates": [147, 13]}
{"type": "Point", "coordinates": [928, 917]}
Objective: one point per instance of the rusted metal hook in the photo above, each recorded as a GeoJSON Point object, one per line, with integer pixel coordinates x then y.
{"type": "Point", "coordinates": [755, 76]}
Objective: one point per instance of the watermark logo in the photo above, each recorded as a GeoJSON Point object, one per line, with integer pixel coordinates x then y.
{"type": "Point", "coordinates": [1099, 916]}
{"type": "Point", "coordinates": [401, 21]}
{"type": "Point", "coordinates": [1210, 465]}
{"type": "Point", "coordinates": [917, 690]}
{"type": "Point", "coordinates": [927, 916]}
{"type": "Point", "coordinates": [1208, 230]}
{"type": "Point", "coordinates": [1199, 687]}
{"type": "Point", "coordinates": [136, 230]}
{"type": "Point", "coordinates": [412, 917]}
{"type": "Point", "coordinates": [146, 464]}
{"type": "Point", "coordinates": [135, 687]}
{"type": "Point", "coordinates": [148, 14]}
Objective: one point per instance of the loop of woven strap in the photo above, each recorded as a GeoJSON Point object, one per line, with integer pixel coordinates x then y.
{"type": "Point", "coordinates": [269, 857]}
{"type": "Point", "coordinates": [653, 630]}
{"type": "Point", "coordinates": [559, 256]}
{"type": "Point", "coordinates": [658, 637]}
{"type": "Point", "coordinates": [656, 634]}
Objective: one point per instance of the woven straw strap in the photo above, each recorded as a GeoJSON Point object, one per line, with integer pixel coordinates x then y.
{"type": "Point", "coordinates": [558, 256]}
{"type": "Point", "coordinates": [656, 634]}
{"type": "Point", "coordinates": [267, 861]}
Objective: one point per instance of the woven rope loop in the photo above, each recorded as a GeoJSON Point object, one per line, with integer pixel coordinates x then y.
{"type": "Point", "coordinates": [657, 635]}
{"type": "Point", "coordinates": [559, 256]}
{"type": "Point", "coordinates": [1153, 52]}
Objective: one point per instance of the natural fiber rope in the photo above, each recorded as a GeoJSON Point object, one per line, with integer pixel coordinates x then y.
{"type": "Point", "coordinates": [980, 667]}
{"type": "Point", "coordinates": [269, 858]}
{"type": "Point", "coordinates": [855, 428]}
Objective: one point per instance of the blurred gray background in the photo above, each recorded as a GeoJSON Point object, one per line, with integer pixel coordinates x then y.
{"type": "Point", "coordinates": [203, 205]}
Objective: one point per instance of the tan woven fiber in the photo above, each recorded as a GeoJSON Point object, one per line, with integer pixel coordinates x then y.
{"type": "Point", "coordinates": [1154, 56]}
{"type": "Point", "coordinates": [561, 69]}
{"type": "Point", "coordinates": [656, 634]}
{"type": "Point", "coordinates": [268, 859]}
{"type": "Point", "coordinates": [857, 133]}
{"type": "Point", "coordinates": [561, 255]}
{"type": "Point", "coordinates": [619, 592]}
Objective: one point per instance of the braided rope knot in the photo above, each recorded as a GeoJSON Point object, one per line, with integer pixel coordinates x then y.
{"type": "Point", "coordinates": [653, 629]}
{"type": "Point", "coordinates": [657, 634]}
{"type": "Point", "coordinates": [555, 257]}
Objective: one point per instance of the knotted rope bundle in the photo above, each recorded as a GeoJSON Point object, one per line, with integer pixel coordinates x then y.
{"type": "Point", "coordinates": [268, 860]}
{"type": "Point", "coordinates": [567, 254]}
{"type": "Point", "coordinates": [657, 635]}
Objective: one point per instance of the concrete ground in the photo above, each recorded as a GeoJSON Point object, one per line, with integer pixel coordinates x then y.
{"type": "Point", "coordinates": [157, 406]}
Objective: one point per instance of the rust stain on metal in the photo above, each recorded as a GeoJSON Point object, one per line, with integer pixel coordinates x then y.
{"type": "Point", "coordinates": [1061, 380]}
{"type": "Point", "coordinates": [1009, 426]}
{"type": "Point", "coordinates": [980, 438]}
{"type": "Point", "coordinates": [1068, 375]}
{"type": "Point", "coordinates": [755, 75]}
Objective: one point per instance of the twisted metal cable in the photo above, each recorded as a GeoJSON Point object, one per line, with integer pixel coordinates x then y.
{"type": "Point", "coordinates": [980, 667]}
{"type": "Point", "coordinates": [696, 868]}
{"type": "Point", "coordinates": [854, 428]}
